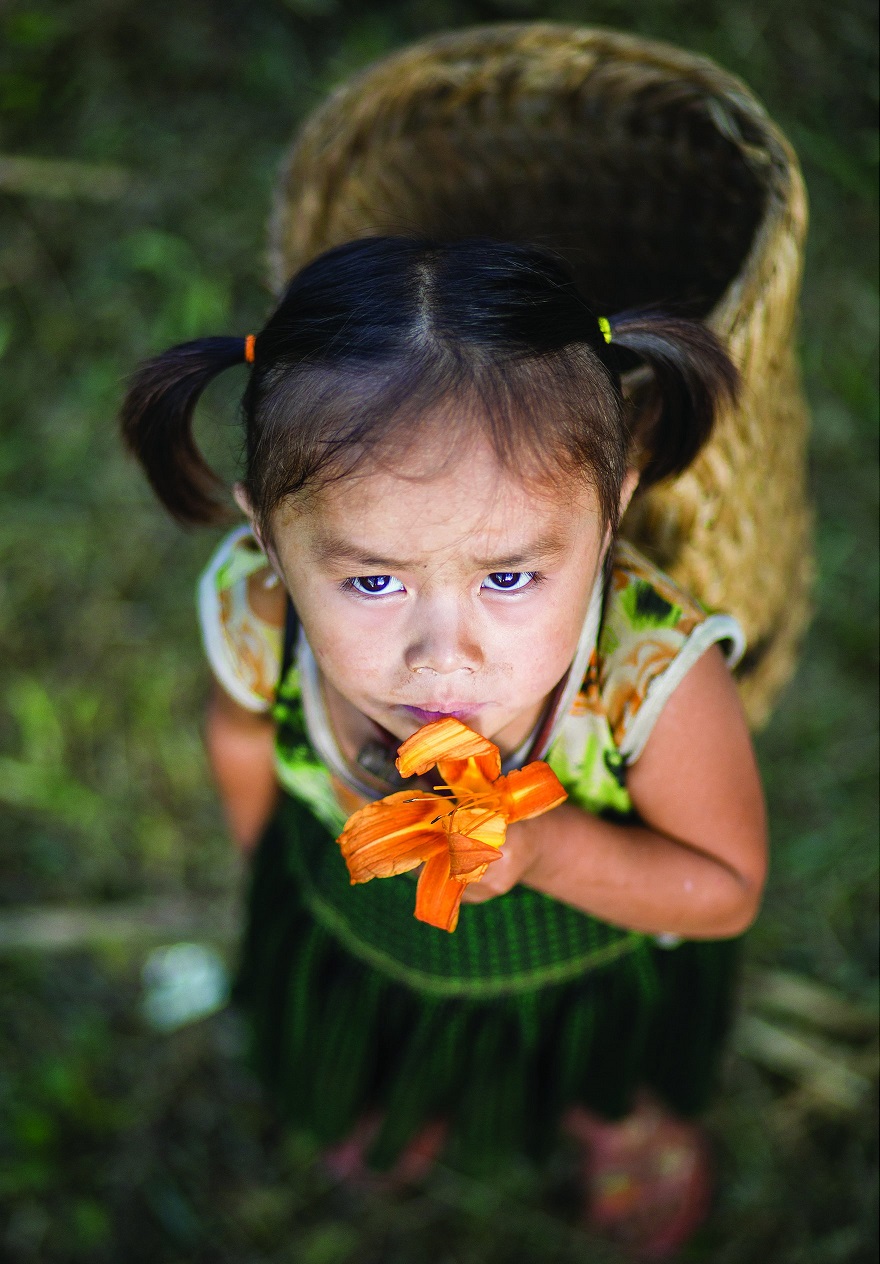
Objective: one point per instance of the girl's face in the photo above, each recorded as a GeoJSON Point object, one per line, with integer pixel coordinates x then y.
{"type": "Point", "coordinates": [451, 588]}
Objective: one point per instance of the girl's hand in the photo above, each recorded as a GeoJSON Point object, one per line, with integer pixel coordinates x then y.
{"type": "Point", "coordinates": [517, 858]}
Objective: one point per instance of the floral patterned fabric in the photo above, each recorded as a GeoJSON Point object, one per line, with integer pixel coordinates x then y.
{"type": "Point", "coordinates": [238, 616]}
{"type": "Point", "coordinates": [652, 633]}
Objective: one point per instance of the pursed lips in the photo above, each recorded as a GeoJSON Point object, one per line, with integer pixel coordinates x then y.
{"type": "Point", "coordinates": [427, 714]}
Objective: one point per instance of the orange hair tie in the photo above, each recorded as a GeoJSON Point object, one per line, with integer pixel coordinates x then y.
{"type": "Point", "coordinates": [250, 343]}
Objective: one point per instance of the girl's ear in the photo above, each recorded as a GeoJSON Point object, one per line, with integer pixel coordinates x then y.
{"type": "Point", "coordinates": [628, 487]}
{"type": "Point", "coordinates": [630, 483]}
{"type": "Point", "coordinates": [241, 498]}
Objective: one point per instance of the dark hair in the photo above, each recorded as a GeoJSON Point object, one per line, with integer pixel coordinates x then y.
{"type": "Point", "coordinates": [377, 334]}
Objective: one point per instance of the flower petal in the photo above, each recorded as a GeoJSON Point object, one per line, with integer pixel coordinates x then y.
{"type": "Point", "coordinates": [447, 739]}
{"type": "Point", "coordinates": [399, 812]}
{"type": "Point", "coordinates": [530, 791]}
{"type": "Point", "coordinates": [393, 835]}
{"type": "Point", "coordinates": [467, 854]}
{"type": "Point", "coordinates": [438, 894]}
{"type": "Point", "coordinates": [384, 859]}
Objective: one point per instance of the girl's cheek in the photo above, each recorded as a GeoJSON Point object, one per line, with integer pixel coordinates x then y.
{"type": "Point", "coordinates": [348, 651]}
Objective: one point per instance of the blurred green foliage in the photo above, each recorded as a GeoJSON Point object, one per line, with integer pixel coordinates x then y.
{"type": "Point", "coordinates": [118, 1144]}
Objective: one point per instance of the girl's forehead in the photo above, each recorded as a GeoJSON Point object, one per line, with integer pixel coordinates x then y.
{"type": "Point", "coordinates": [437, 502]}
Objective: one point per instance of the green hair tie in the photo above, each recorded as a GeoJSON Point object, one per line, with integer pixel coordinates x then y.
{"type": "Point", "coordinates": [605, 328]}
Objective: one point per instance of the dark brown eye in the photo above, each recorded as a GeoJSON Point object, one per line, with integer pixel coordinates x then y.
{"type": "Point", "coordinates": [375, 585]}
{"type": "Point", "coordinates": [508, 581]}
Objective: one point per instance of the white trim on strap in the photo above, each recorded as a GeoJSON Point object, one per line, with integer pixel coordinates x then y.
{"type": "Point", "coordinates": [213, 639]}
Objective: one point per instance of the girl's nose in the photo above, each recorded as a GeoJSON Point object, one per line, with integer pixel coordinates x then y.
{"type": "Point", "coordinates": [443, 642]}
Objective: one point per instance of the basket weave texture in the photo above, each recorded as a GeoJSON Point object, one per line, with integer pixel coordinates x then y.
{"type": "Point", "coordinates": [663, 181]}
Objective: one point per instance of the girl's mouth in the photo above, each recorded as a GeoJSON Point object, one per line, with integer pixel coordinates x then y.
{"type": "Point", "coordinates": [426, 717]}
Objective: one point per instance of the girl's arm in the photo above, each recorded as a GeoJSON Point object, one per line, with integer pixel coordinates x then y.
{"type": "Point", "coordinates": [240, 750]}
{"type": "Point", "coordinates": [697, 865]}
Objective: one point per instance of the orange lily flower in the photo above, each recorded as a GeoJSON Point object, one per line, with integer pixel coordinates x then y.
{"type": "Point", "coordinates": [455, 832]}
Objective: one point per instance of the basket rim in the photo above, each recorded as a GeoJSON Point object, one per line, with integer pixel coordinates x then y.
{"type": "Point", "coordinates": [336, 120]}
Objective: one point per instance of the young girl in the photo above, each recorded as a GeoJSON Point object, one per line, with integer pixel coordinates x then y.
{"type": "Point", "coordinates": [438, 454]}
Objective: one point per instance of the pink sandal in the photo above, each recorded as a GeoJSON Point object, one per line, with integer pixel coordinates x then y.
{"type": "Point", "coordinates": [648, 1178]}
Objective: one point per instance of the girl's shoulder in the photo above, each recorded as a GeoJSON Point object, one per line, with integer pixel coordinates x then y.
{"type": "Point", "coordinates": [241, 607]}
{"type": "Point", "coordinates": [652, 633]}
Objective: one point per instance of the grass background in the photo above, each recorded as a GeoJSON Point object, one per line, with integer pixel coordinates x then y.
{"type": "Point", "coordinates": [117, 1143]}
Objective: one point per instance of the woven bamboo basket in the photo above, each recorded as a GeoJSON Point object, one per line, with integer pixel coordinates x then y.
{"type": "Point", "coordinates": [663, 180]}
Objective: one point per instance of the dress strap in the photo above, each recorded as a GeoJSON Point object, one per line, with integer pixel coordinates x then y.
{"type": "Point", "coordinates": [291, 633]}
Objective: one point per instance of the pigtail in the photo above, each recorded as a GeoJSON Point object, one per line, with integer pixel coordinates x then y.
{"type": "Point", "coordinates": [693, 376]}
{"type": "Point", "coordinates": [156, 419]}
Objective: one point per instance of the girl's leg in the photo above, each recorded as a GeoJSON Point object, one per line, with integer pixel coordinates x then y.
{"type": "Point", "coordinates": [647, 1177]}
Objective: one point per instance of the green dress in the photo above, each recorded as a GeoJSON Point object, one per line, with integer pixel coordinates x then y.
{"type": "Point", "coordinates": [530, 1006]}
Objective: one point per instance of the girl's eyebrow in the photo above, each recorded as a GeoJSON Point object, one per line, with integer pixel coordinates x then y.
{"type": "Point", "coordinates": [541, 550]}
{"type": "Point", "coordinates": [331, 549]}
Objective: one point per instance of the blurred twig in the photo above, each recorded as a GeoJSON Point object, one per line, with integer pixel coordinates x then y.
{"type": "Point", "coordinates": [823, 1044]}
{"type": "Point", "coordinates": [815, 1065]}
{"type": "Point", "coordinates": [796, 997]}
{"type": "Point", "coordinates": [47, 929]}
